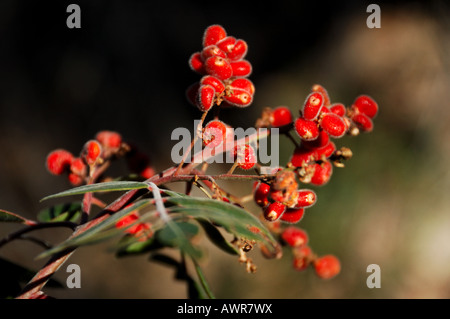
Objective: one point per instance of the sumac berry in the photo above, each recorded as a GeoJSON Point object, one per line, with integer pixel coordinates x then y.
{"type": "Point", "coordinates": [238, 97]}
{"type": "Point", "coordinates": [338, 109]}
{"type": "Point", "coordinates": [219, 67]}
{"type": "Point", "coordinates": [333, 125]}
{"type": "Point", "coordinates": [214, 133]}
{"type": "Point", "coordinates": [205, 97]}
{"type": "Point", "coordinates": [212, 50]}
{"type": "Point", "coordinates": [302, 259]}
{"type": "Point", "coordinates": [213, 34]}
{"type": "Point", "coordinates": [312, 106]}
{"type": "Point", "coordinates": [294, 236]}
{"type": "Point", "coordinates": [302, 156]}
{"type": "Point", "coordinates": [241, 68]}
{"type": "Point", "coordinates": [196, 63]}
{"type": "Point", "coordinates": [243, 84]}
{"type": "Point", "coordinates": [74, 179]}
{"type": "Point", "coordinates": [109, 139]}
{"type": "Point", "coordinates": [307, 130]}
{"type": "Point", "coordinates": [306, 198]}
{"type": "Point", "coordinates": [320, 141]}
{"type": "Point", "coordinates": [321, 89]}
{"type": "Point", "coordinates": [78, 167]}
{"type": "Point", "coordinates": [274, 211]}
{"type": "Point", "coordinates": [261, 194]}
{"type": "Point", "coordinates": [91, 152]}
{"type": "Point", "coordinates": [281, 116]}
{"type": "Point", "coordinates": [238, 51]}
{"type": "Point", "coordinates": [216, 83]}
{"type": "Point", "coordinates": [327, 266]}
{"type": "Point", "coordinates": [293, 215]}
{"type": "Point", "coordinates": [322, 173]}
{"type": "Point", "coordinates": [324, 151]}
{"type": "Point", "coordinates": [366, 105]}
{"type": "Point", "coordinates": [227, 44]}
{"type": "Point", "coordinates": [58, 161]}
{"type": "Point", "coordinates": [147, 172]}
{"type": "Point", "coordinates": [245, 156]}
{"type": "Point", "coordinates": [363, 122]}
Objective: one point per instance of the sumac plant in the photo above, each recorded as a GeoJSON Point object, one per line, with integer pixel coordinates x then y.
{"type": "Point", "coordinates": [149, 216]}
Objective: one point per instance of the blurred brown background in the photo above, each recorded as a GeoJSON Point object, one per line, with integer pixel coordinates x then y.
{"type": "Point", "coordinates": [126, 70]}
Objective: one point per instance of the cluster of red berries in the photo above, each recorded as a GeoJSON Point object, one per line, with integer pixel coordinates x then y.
{"type": "Point", "coordinates": [95, 153]}
{"type": "Point", "coordinates": [140, 230]}
{"type": "Point", "coordinates": [224, 70]}
{"type": "Point", "coordinates": [326, 266]}
{"type": "Point", "coordinates": [282, 199]}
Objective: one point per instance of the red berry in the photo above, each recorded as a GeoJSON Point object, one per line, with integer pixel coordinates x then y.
{"type": "Point", "coordinates": [74, 179]}
{"type": "Point", "coordinates": [245, 156]}
{"type": "Point", "coordinates": [327, 266]}
{"type": "Point", "coordinates": [227, 44]}
{"type": "Point", "coordinates": [241, 68]}
{"type": "Point", "coordinates": [294, 236]}
{"type": "Point", "coordinates": [212, 50]}
{"type": "Point", "coordinates": [301, 257]}
{"type": "Point", "coordinates": [58, 161]}
{"type": "Point", "coordinates": [274, 211]}
{"type": "Point", "coordinates": [306, 198]}
{"type": "Point", "coordinates": [302, 156]}
{"type": "Point", "coordinates": [213, 34]}
{"type": "Point", "coordinates": [78, 167]}
{"type": "Point", "coordinates": [217, 84]}
{"type": "Point", "coordinates": [91, 152]}
{"type": "Point", "coordinates": [127, 221]}
{"type": "Point", "coordinates": [321, 89]}
{"type": "Point", "coordinates": [366, 105]}
{"type": "Point", "coordinates": [218, 67]}
{"type": "Point", "coordinates": [307, 130]}
{"type": "Point", "coordinates": [363, 122]}
{"type": "Point", "coordinates": [261, 194]}
{"type": "Point", "coordinates": [312, 106]}
{"type": "Point", "coordinates": [244, 84]}
{"type": "Point", "coordinates": [147, 172]}
{"type": "Point", "coordinates": [239, 98]}
{"type": "Point", "coordinates": [333, 125]}
{"type": "Point", "coordinates": [322, 173]}
{"type": "Point", "coordinates": [324, 151]}
{"type": "Point", "coordinates": [321, 141]}
{"type": "Point", "coordinates": [109, 139]}
{"type": "Point", "coordinates": [205, 97]}
{"type": "Point", "coordinates": [239, 50]}
{"type": "Point", "coordinates": [214, 133]}
{"type": "Point", "coordinates": [338, 109]}
{"type": "Point", "coordinates": [196, 63]}
{"type": "Point", "coordinates": [293, 215]}
{"type": "Point", "coordinates": [192, 93]}
{"type": "Point", "coordinates": [281, 116]}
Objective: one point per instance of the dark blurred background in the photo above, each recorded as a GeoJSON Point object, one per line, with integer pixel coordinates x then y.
{"type": "Point", "coordinates": [126, 70]}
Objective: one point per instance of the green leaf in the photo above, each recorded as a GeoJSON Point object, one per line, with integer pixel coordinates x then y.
{"type": "Point", "coordinates": [99, 187]}
{"type": "Point", "coordinates": [9, 217]}
{"type": "Point", "coordinates": [234, 219]}
{"type": "Point", "coordinates": [97, 233]}
{"type": "Point", "coordinates": [130, 245]}
{"type": "Point", "coordinates": [61, 212]}
{"type": "Point", "coordinates": [216, 237]}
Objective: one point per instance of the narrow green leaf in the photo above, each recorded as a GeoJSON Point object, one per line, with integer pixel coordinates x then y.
{"type": "Point", "coordinates": [99, 187]}
{"type": "Point", "coordinates": [179, 234]}
{"type": "Point", "coordinates": [9, 217]}
{"type": "Point", "coordinates": [61, 212]}
{"type": "Point", "coordinates": [99, 232]}
{"type": "Point", "coordinates": [216, 237]}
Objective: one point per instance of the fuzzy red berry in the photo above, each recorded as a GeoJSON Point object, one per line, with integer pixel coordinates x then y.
{"type": "Point", "coordinates": [281, 116]}
{"type": "Point", "coordinates": [214, 133]}
{"type": "Point", "coordinates": [261, 194]}
{"type": "Point", "coordinates": [363, 122]}
{"type": "Point", "coordinates": [147, 172]}
{"type": "Point", "coordinates": [245, 156]}
{"type": "Point", "coordinates": [213, 34]}
{"type": "Point", "coordinates": [205, 97]}
{"type": "Point", "coordinates": [196, 63]}
{"type": "Point", "coordinates": [306, 198]}
{"type": "Point", "coordinates": [218, 67]}
{"type": "Point", "coordinates": [274, 211]}
{"type": "Point", "coordinates": [241, 68]}
{"type": "Point", "coordinates": [58, 161]}
{"type": "Point", "coordinates": [333, 125]}
{"type": "Point", "coordinates": [238, 51]}
{"type": "Point", "coordinates": [74, 179]}
{"type": "Point", "coordinates": [293, 215]}
{"type": "Point", "coordinates": [78, 167]}
{"type": "Point", "coordinates": [302, 257]}
{"type": "Point", "coordinates": [322, 173]}
{"type": "Point", "coordinates": [327, 266]}
{"type": "Point", "coordinates": [307, 130]}
{"type": "Point", "coordinates": [91, 152]}
{"type": "Point", "coordinates": [212, 50]}
{"type": "Point", "coordinates": [216, 83]}
{"type": "Point", "coordinates": [321, 141]}
{"type": "Point", "coordinates": [294, 236]}
{"type": "Point", "coordinates": [312, 106]}
{"type": "Point", "coordinates": [109, 139]}
{"type": "Point", "coordinates": [227, 44]}
{"type": "Point", "coordinates": [366, 105]}
{"type": "Point", "coordinates": [319, 88]}
{"type": "Point", "coordinates": [325, 151]}
{"type": "Point", "coordinates": [238, 97]}
{"type": "Point", "coordinates": [338, 109]}
{"type": "Point", "coordinates": [244, 84]}
{"type": "Point", "coordinates": [302, 156]}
